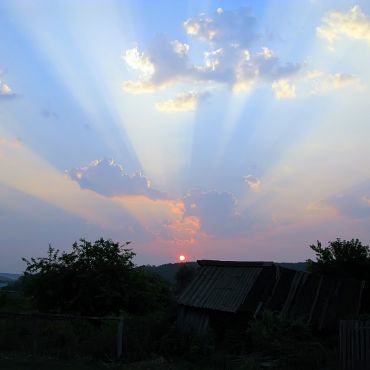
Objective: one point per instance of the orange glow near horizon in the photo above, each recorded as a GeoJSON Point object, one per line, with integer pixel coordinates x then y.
{"type": "Point", "coordinates": [182, 258]}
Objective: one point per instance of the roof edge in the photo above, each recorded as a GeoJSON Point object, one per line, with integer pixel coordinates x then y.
{"type": "Point", "coordinates": [234, 263]}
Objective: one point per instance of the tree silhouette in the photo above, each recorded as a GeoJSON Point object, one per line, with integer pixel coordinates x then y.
{"type": "Point", "coordinates": [97, 278]}
{"type": "Point", "coordinates": [342, 258]}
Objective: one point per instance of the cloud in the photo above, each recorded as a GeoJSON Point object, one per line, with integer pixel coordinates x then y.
{"type": "Point", "coordinates": [354, 24]}
{"type": "Point", "coordinates": [164, 63]}
{"type": "Point", "coordinates": [320, 206]}
{"type": "Point", "coordinates": [335, 82]}
{"type": "Point", "coordinates": [217, 213]}
{"type": "Point", "coordinates": [13, 143]}
{"type": "Point", "coordinates": [263, 66]}
{"type": "Point", "coordinates": [225, 27]}
{"type": "Point", "coordinates": [354, 202]}
{"type": "Point", "coordinates": [139, 61]}
{"type": "Point", "coordinates": [109, 178]}
{"type": "Point", "coordinates": [197, 215]}
{"type": "Point", "coordinates": [227, 59]}
{"type": "Point", "coordinates": [5, 91]}
{"type": "Point", "coordinates": [351, 205]}
{"type": "Point", "coordinates": [164, 219]}
{"type": "Point", "coordinates": [283, 89]}
{"type": "Point", "coordinates": [183, 102]}
{"type": "Point", "coordinates": [313, 82]}
{"type": "Point", "coordinates": [183, 231]}
{"type": "Point", "coordinates": [138, 87]}
{"type": "Point", "coordinates": [233, 67]}
{"type": "Point", "coordinates": [313, 74]}
{"type": "Point", "coordinates": [252, 182]}
{"type": "Point", "coordinates": [270, 68]}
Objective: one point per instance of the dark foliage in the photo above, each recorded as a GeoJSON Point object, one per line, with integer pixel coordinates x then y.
{"type": "Point", "coordinates": [342, 258]}
{"type": "Point", "coordinates": [289, 344]}
{"type": "Point", "coordinates": [97, 279]}
{"type": "Point", "coordinates": [168, 271]}
{"type": "Point", "coordinates": [184, 276]}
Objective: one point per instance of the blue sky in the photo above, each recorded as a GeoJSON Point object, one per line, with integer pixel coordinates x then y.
{"type": "Point", "coordinates": [215, 129]}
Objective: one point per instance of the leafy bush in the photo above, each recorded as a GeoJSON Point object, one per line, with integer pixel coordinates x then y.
{"type": "Point", "coordinates": [94, 279]}
{"type": "Point", "coordinates": [342, 258]}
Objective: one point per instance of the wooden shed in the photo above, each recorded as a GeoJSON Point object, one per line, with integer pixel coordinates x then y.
{"type": "Point", "coordinates": [237, 291]}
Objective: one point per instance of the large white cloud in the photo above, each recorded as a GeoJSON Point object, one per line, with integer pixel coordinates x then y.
{"type": "Point", "coordinates": [354, 24]}
{"type": "Point", "coordinates": [109, 178]}
{"type": "Point", "coordinates": [233, 67]}
{"type": "Point", "coordinates": [228, 59]}
{"type": "Point", "coordinates": [235, 57]}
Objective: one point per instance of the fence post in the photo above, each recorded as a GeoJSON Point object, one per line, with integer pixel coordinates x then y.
{"type": "Point", "coordinates": [119, 339]}
{"type": "Point", "coordinates": [35, 333]}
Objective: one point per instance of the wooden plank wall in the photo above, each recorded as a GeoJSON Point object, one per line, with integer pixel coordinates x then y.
{"type": "Point", "coordinates": [355, 344]}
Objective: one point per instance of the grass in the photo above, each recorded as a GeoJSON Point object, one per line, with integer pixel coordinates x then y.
{"type": "Point", "coordinates": [28, 363]}
{"type": "Point", "coordinates": [83, 345]}
{"type": "Point", "coordinates": [19, 363]}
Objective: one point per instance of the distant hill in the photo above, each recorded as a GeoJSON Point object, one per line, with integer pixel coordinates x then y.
{"type": "Point", "coordinates": [299, 266]}
{"type": "Point", "coordinates": [4, 281]}
{"type": "Point", "coordinates": [168, 271]}
{"type": "Point", "coordinates": [6, 277]}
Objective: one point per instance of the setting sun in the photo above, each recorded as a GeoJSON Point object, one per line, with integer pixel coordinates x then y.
{"type": "Point", "coordinates": [182, 258]}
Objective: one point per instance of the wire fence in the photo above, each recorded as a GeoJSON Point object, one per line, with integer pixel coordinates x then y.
{"type": "Point", "coordinates": [125, 338]}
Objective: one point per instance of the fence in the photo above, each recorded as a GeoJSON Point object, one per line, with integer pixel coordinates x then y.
{"type": "Point", "coordinates": [355, 344]}
{"type": "Point", "coordinates": [62, 335]}
{"type": "Point", "coordinates": [131, 338]}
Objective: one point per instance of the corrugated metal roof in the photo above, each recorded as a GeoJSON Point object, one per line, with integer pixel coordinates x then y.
{"type": "Point", "coordinates": [220, 287]}
{"type": "Point", "coordinates": [236, 286]}
{"type": "Point", "coordinates": [234, 263]}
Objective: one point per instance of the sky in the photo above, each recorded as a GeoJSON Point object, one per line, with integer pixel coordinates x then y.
{"type": "Point", "coordinates": [235, 130]}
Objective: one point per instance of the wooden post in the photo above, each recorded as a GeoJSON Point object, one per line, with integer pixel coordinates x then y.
{"type": "Point", "coordinates": [35, 333]}
{"type": "Point", "coordinates": [119, 339]}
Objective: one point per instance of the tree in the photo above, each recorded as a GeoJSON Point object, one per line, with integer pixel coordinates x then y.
{"type": "Point", "coordinates": [184, 276]}
{"type": "Point", "coordinates": [97, 278]}
{"type": "Point", "coordinates": [342, 258]}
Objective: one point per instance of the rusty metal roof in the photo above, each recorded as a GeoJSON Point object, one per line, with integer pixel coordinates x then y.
{"type": "Point", "coordinates": [221, 285]}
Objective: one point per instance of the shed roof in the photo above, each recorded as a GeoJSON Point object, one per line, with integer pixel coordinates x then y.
{"type": "Point", "coordinates": [232, 286]}
{"type": "Point", "coordinates": [221, 285]}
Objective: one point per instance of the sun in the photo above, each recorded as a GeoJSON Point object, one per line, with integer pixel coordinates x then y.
{"type": "Point", "coordinates": [182, 258]}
